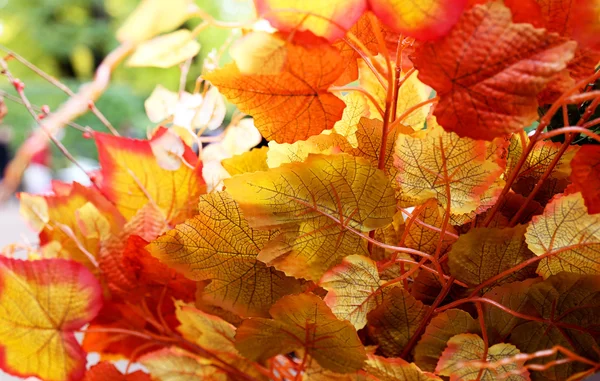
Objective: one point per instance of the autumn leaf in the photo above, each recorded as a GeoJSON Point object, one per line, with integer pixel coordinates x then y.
{"type": "Point", "coordinates": [108, 371]}
{"type": "Point", "coordinates": [321, 197]}
{"type": "Point", "coordinates": [570, 303]}
{"type": "Point", "coordinates": [66, 218]}
{"type": "Point", "coordinates": [395, 321]}
{"type": "Point", "coordinates": [302, 322]}
{"type": "Point", "coordinates": [566, 237]}
{"type": "Point", "coordinates": [353, 289]}
{"type": "Point", "coordinates": [153, 17]}
{"type": "Point", "coordinates": [218, 245]}
{"type": "Point", "coordinates": [356, 108]}
{"type": "Point", "coordinates": [421, 233]}
{"type": "Point", "coordinates": [513, 296]}
{"type": "Point", "coordinates": [465, 350]}
{"type": "Point", "coordinates": [292, 104]}
{"type": "Point", "coordinates": [247, 162]}
{"type": "Point", "coordinates": [483, 96]}
{"type": "Point", "coordinates": [439, 330]}
{"type": "Point", "coordinates": [38, 332]}
{"type": "Point", "coordinates": [298, 151]}
{"type": "Point", "coordinates": [175, 364]}
{"type": "Point", "coordinates": [585, 175]}
{"type": "Point", "coordinates": [363, 31]}
{"type": "Point", "coordinates": [395, 369]}
{"type": "Point", "coordinates": [259, 53]}
{"type": "Point", "coordinates": [483, 253]}
{"type": "Point", "coordinates": [433, 163]}
{"type": "Point", "coordinates": [132, 177]}
{"type": "Point", "coordinates": [166, 50]}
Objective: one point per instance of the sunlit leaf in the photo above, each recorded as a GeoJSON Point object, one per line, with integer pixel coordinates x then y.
{"type": "Point", "coordinates": [586, 176]}
{"type": "Point", "coordinates": [166, 50]}
{"type": "Point", "coordinates": [259, 53]}
{"type": "Point", "coordinates": [394, 321]}
{"type": "Point", "coordinates": [353, 289]}
{"type": "Point", "coordinates": [322, 195]}
{"type": "Point", "coordinates": [363, 30]}
{"type": "Point", "coordinates": [483, 253]}
{"type": "Point", "coordinates": [423, 233]}
{"type": "Point", "coordinates": [292, 104]}
{"type": "Point", "coordinates": [434, 162]}
{"type": "Point", "coordinates": [298, 151]}
{"type": "Point", "coordinates": [490, 89]}
{"type": "Point", "coordinates": [439, 330]}
{"type": "Point", "coordinates": [356, 108]}
{"type": "Point", "coordinates": [464, 349]}
{"type": "Point", "coordinates": [247, 162]}
{"type": "Point", "coordinates": [218, 245]}
{"type": "Point", "coordinates": [43, 303]}
{"type": "Point", "coordinates": [132, 177]}
{"type": "Point", "coordinates": [175, 364]}
{"type": "Point", "coordinates": [153, 17]}
{"type": "Point", "coordinates": [302, 322]}
{"type": "Point", "coordinates": [395, 369]}
{"type": "Point", "coordinates": [566, 236]}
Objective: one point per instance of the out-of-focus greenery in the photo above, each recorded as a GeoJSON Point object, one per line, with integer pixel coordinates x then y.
{"type": "Point", "coordinates": [69, 38]}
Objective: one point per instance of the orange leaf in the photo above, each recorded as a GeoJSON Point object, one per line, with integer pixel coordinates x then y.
{"type": "Point", "coordinates": [394, 321]}
{"type": "Point", "coordinates": [292, 104]}
{"type": "Point", "coordinates": [132, 176]}
{"type": "Point", "coordinates": [43, 303]}
{"type": "Point", "coordinates": [585, 175]}
{"type": "Point", "coordinates": [175, 364]}
{"type": "Point", "coordinates": [302, 322]}
{"type": "Point", "coordinates": [420, 235]}
{"type": "Point", "coordinates": [396, 369]}
{"type": "Point", "coordinates": [566, 236]}
{"type": "Point", "coordinates": [487, 95]}
{"type": "Point", "coordinates": [363, 30]}
{"type": "Point", "coordinates": [105, 371]}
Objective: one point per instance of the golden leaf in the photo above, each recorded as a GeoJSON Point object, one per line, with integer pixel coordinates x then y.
{"type": "Point", "coordinates": [175, 364]}
{"type": "Point", "coordinates": [166, 50]}
{"type": "Point", "coordinates": [153, 17]}
{"type": "Point", "coordinates": [254, 160]}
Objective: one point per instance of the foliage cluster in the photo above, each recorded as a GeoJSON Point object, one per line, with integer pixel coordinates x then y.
{"type": "Point", "coordinates": [399, 225]}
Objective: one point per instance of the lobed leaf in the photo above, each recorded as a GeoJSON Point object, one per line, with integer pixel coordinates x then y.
{"type": "Point", "coordinates": [175, 364]}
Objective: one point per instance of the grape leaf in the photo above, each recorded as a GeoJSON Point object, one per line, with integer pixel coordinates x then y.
{"type": "Point", "coordinates": [322, 197]}
{"type": "Point", "coordinates": [356, 108]}
{"type": "Point", "coordinates": [166, 50]}
{"type": "Point", "coordinates": [488, 95]}
{"type": "Point", "coordinates": [131, 175]}
{"type": "Point", "coordinates": [395, 369]}
{"type": "Point", "coordinates": [175, 364]}
{"type": "Point", "coordinates": [434, 162]}
{"type": "Point", "coordinates": [251, 161]}
{"type": "Point", "coordinates": [259, 53]}
{"type": "Point", "coordinates": [394, 321]}
{"type": "Point", "coordinates": [483, 253]}
{"type": "Point", "coordinates": [353, 289]}
{"type": "Point", "coordinates": [37, 336]}
{"type": "Point", "coordinates": [218, 245]}
{"type": "Point", "coordinates": [585, 175]}
{"type": "Point", "coordinates": [566, 236]}
{"type": "Point", "coordinates": [153, 17]}
{"type": "Point", "coordinates": [292, 104]}
{"type": "Point", "coordinates": [419, 233]}
{"type": "Point", "coordinates": [468, 347]}
{"type": "Point", "coordinates": [439, 330]}
{"type": "Point", "coordinates": [363, 30]}
{"type": "Point", "coordinates": [298, 151]}
{"type": "Point", "coordinates": [302, 322]}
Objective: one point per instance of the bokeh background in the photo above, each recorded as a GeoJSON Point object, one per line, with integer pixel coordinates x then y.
{"type": "Point", "coordinates": [68, 39]}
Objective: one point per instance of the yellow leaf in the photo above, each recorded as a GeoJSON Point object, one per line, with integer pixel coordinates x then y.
{"type": "Point", "coordinates": [464, 351]}
{"type": "Point", "coordinates": [91, 222]}
{"type": "Point", "coordinates": [356, 108]}
{"type": "Point", "coordinates": [420, 235]}
{"type": "Point", "coordinates": [34, 210]}
{"type": "Point", "coordinates": [394, 321]}
{"type": "Point", "coordinates": [566, 236]}
{"type": "Point", "coordinates": [353, 289]}
{"type": "Point", "coordinates": [175, 364]}
{"type": "Point", "coordinates": [292, 104]}
{"type": "Point", "coordinates": [252, 161]}
{"type": "Point", "coordinates": [302, 322]}
{"type": "Point", "coordinates": [259, 53]}
{"type": "Point", "coordinates": [412, 92]}
{"type": "Point", "coordinates": [439, 330]}
{"type": "Point", "coordinates": [218, 245]}
{"type": "Point", "coordinates": [483, 253]}
{"type": "Point", "coordinates": [435, 163]}
{"type": "Point", "coordinates": [324, 195]}
{"type": "Point", "coordinates": [166, 50]}
{"type": "Point", "coordinates": [153, 17]}
{"type": "Point", "coordinates": [298, 151]}
{"type": "Point", "coordinates": [42, 303]}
